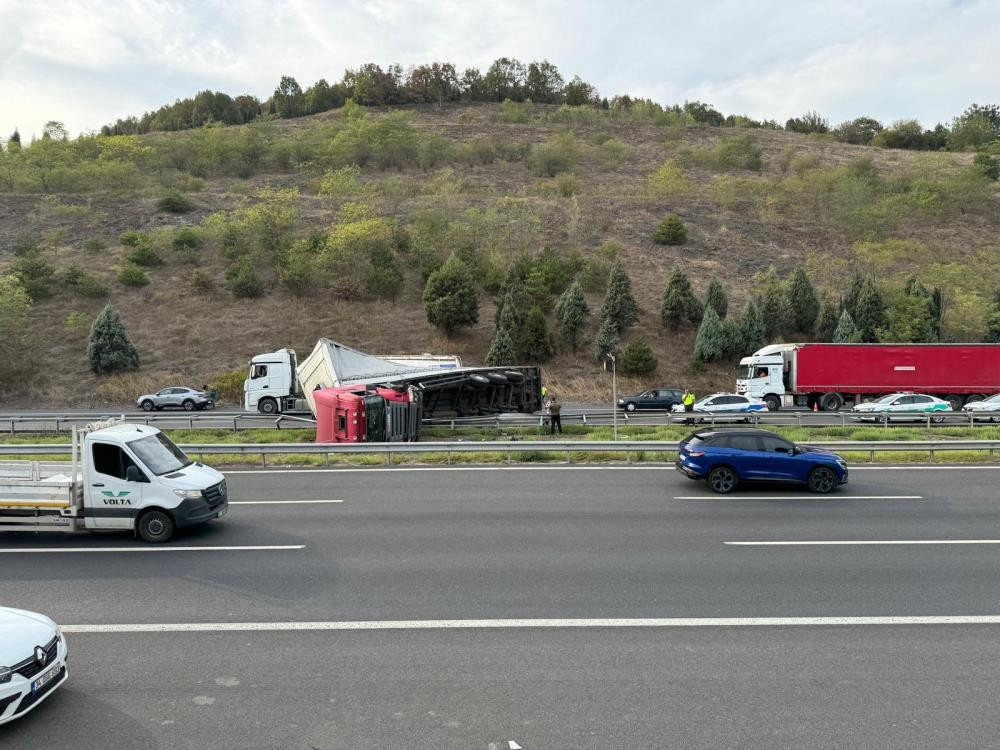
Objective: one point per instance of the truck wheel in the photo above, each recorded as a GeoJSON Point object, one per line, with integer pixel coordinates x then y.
{"type": "Point", "coordinates": [267, 406]}
{"type": "Point", "coordinates": [831, 402]}
{"type": "Point", "coordinates": [147, 405]}
{"type": "Point", "coordinates": [188, 405]}
{"type": "Point", "coordinates": [773, 402]}
{"type": "Point", "coordinates": [155, 527]}
{"type": "Point", "coordinates": [955, 401]}
{"type": "Point", "coordinates": [822, 480]}
{"type": "Point", "coordinates": [973, 398]}
{"type": "Point", "coordinates": [722, 479]}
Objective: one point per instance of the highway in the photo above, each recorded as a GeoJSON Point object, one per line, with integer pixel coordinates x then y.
{"type": "Point", "coordinates": [548, 607]}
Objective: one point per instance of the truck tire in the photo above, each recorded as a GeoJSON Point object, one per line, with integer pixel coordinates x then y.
{"type": "Point", "coordinates": [267, 406]}
{"type": "Point", "coordinates": [973, 398]}
{"type": "Point", "coordinates": [831, 402]}
{"type": "Point", "coordinates": [188, 405]}
{"type": "Point", "coordinates": [955, 401]}
{"type": "Point", "coordinates": [155, 527]}
{"type": "Point", "coordinates": [722, 479]}
{"type": "Point", "coordinates": [773, 402]}
{"type": "Point", "coordinates": [822, 480]}
{"type": "Point", "coordinates": [147, 405]}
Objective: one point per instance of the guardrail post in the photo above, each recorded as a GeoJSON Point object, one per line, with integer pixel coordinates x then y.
{"type": "Point", "coordinates": [12, 426]}
{"type": "Point", "coordinates": [871, 456]}
{"type": "Point", "coordinates": [453, 425]}
{"type": "Point", "coordinates": [263, 459]}
{"type": "Point", "coordinates": [931, 451]}
{"type": "Point", "coordinates": [585, 418]}
{"type": "Point", "coordinates": [928, 420]}
{"type": "Point", "coordinates": [798, 418]}
{"type": "Point", "coordinates": [628, 456]}
{"type": "Point", "coordinates": [234, 425]}
{"type": "Point", "coordinates": [388, 457]}
{"type": "Point", "coordinates": [57, 424]}
{"type": "Point", "coordinates": [447, 456]}
{"type": "Point", "coordinates": [190, 423]}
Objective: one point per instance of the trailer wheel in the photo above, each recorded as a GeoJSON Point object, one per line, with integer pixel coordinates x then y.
{"type": "Point", "coordinates": [267, 406]}
{"type": "Point", "coordinates": [955, 401]}
{"type": "Point", "coordinates": [831, 402]}
{"type": "Point", "coordinates": [773, 402]}
{"type": "Point", "coordinates": [155, 527]}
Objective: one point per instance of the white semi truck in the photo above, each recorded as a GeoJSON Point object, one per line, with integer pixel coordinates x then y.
{"type": "Point", "coordinates": [120, 477]}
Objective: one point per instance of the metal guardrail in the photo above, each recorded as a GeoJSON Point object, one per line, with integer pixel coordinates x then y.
{"type": "Point", "coordinates": [61, 422]}
{"type": "Point", "coordinates": [510, 447]}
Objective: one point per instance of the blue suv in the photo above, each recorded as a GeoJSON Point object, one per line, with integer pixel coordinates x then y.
{"type": "Point", "coordinates": [726, 457]}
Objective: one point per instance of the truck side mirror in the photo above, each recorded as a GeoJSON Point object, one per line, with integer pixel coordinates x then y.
{"type": "Point", "coordinates": [132, 474]}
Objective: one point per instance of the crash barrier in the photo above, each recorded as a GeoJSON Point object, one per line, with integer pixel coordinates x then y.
{"type": "Point", "coordinates": [188, 420]}
{"type": "Point", "coordinates": [629, 448]}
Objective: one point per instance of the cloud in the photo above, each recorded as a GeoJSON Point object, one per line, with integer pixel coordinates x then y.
{"type": "Point", "coordinates": [88, 62]}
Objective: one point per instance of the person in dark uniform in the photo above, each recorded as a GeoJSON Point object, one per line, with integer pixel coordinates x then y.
{"type": "Point", "coordinates": [555, 419]}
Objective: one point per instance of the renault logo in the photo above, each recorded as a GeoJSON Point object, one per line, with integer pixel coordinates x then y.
{"type": "Point", "coordinates": [40, 655]}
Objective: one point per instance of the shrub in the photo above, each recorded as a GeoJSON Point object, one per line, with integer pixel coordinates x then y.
{"type": "Point", "coordinates": [36, 275]}
{"type": "Point", "coordinates": [671, 231]}
{"type": "Point", "coordinates": [229, 386]}
{"type": "Point", "coordinates": [109, 349]}
{"type": "Point", "coordinates": [384, 278]}
{"type": "Point", "coordinates": [145, 255]}
{"type": "Point", "coordinates": [242, 279]}
{"type": "Point", "coordinates": [175, 202]}
{"type": "Point", "coordinates": [739, 152]}
{"type": "Point", "coordinates": [133, 238]}
{"type": "Point", "coordinates": [187, 238]}
{"type": "Point", "coordinates": [450, 297]}
{"type": "Point", "coordinates": [668, 180]}
{"type": "Point", "coordinates": [341, 183]}
{"type": "Point", "coordinates": [988, 165]}
{"type": "Point", "coordinates": [201, 281]}
{"type": "Point", "coordinates": [77, 322]}
{"type": "Point", "coordinates": [131, 275]}
{"type": "Point", "coordinates": [638, 359]}
{"type": "Point", "coordinates": [83, 283]}
{"type": "Point", "coordinates": [94, 245]}
{"type": "Point", "coordinates": [558, 154]}
{"type": "Point", "coordinates": [614, 153]}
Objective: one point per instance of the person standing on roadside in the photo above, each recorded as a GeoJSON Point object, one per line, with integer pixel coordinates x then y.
{"type": "Point", "coordinates": [555, 419]}
{"type": "Point", "coordinates": [688, 400]}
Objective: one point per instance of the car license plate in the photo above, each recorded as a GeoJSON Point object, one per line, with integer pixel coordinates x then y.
{"type": "Point", "coordinates": [45, 679]}
{"type": "Point", "coordinates": [222, 512]}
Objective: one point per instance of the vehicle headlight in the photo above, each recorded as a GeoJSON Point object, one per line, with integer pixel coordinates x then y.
{"type": "Point", "coordinates": [188, 494]}
{"type": "Point", "coordinates": [5, 674]}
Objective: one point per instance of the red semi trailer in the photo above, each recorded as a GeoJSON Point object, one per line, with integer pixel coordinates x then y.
{"type": "Point", "coordinates": [832, 375]}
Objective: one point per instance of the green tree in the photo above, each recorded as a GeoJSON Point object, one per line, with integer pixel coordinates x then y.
{"type": "Point", "coordinates": [16, 342]}
{"type": "Point", "coordinates": [710, 343]}
{"type": "Point", "coordinates": [109, 349]}
{"type": "Point", "coordinates": [638, 359]}
{"type": "Point", "coordinates": [716, 297]}
{"type": "Point", "coordinates": [826, 320]}
{"type": "Point", "coordinates": [536, 343]}
{"type": "Point", "coordinates": [870, 315]}
{"type": "Point", "coordinates": [853, 292]}
{"type": "Point", "coordinates": [988, 165]}
{"type": "Point", "coordinates": [501, 353]}
{"type": "Point", "coordinates": [288, 99]}
{"type": "Point", "coordinates": [571, 314]}
{"type": "Point", "coordinates": [450, 297]}
{"type": "Point", "coordinates": [35, 274]}
{"type": "Point", "coordinates": [671, 231]}
{"type": "Point", "coordinates": [753, 333]}
{"type": "Point", "coordinates": [607, 341]}
{"type": "Point", "coordinates": [802, 297]}
{"type": "Point", "coordinates": [619, 304]}
{"type": "Point", "coordinates": [993, 323]}
{"type": "Point", "coordinates": [679, 305]}
{"type": "Point", "coordinates": [775, 307]}
{"type": "Point", "coordinates": [242, 279]}
{"type": "Point", "coordinates": [846, 331]}
{"type": "Point", "coordinates": [732, 336]}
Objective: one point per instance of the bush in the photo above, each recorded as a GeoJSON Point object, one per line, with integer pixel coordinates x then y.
{"type": "Point", "coordinates": [187, 238]}
{"type": "Point", "coordinates": [450, 297]}
{"type": "Point", "coordinates": [131, 275]}
{"type": "Point", "coordinates": [341, 183]}
{"type": "Point", "coordinates": [94, 245]}
{"type": "Point", "coordinates": [229, 386]}
{"type": "Point", "coordinates": [668, 180]}
{"type": "Point", "coordinates": [638, 359]}
{"type": "Point", "coordinates": [77, 322]}
{"type": "Point", "coordinates": [558, 154]}
{"type": "Point", "coordinates": [201, 281]}
{"type": "Point", "coordinates": [671, 231]}
{"type": "Point", "coordinates": [175, 202]}
{"type": "Point", "coordinates": [384, 279]}
{"type": "Point", "coordinates": [83, 283]}
{"type": "Point", "coordinates": [109, 349]}
{"type": "Point", "coordinates": [739, 152]}
{"type": "Point", "coordinates": [614, 153]}
{"type": "Point", "coordinates": [242, 279]}
{"type": "Point", "coordinates": [133, 238]}
{"type": "Point", "coordinates": [145, 255]}
{"type": "Point", "coordinates": [988, 165]}
{"type": "Point", "coordinates": [36, 275]}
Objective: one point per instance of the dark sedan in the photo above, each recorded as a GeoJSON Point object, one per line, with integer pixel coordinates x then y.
{"type": "Point", "coordinates": [655, 398]}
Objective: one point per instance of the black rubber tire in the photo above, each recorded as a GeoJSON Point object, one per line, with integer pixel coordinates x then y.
{"type": "Point", "coordinates": [722, 480]}
{"type": "Point", "coordinates": [147, 405]}
{"type": "Point", "coordinates": [831, 402]}
{"type": "Point", "coordinates": [188, 405]}
{"type": "Point", "coordinates": [937, 418]}
{"type": "Point", "coordinates": [629, 406]}
{"type": "Point", "coordinates": [773, 402]}
{"type": "Point", "coordinates": [267, 406]}
{"type": "Point", "coordinates": [155, 527]}
{"type": "Point", "coordinates": [995, 420]}
{"type": "Point", "coordinates": [822, 480]}
{"type": "Point", "coordinates": [973, 398]}
{"type": "Point", "coordinates": [955, 401]}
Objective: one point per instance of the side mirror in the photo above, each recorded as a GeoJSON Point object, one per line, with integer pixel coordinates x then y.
{"type": "Point", "coordinates": [132, 474]}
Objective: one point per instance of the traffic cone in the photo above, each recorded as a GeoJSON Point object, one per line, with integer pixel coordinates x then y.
{"type": "Point", "coordinates": [815, 406]}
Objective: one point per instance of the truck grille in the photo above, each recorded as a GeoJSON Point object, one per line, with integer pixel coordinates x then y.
{"type": "Point", "coordinates": [215, 495]}
{"type": "Point", "coordinates": [30, 666]}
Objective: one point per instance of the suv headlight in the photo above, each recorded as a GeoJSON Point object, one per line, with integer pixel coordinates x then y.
{"type": "Point", "coordinates": [188, 494]}
{"type": "Point", "coordinates": [5, 674]}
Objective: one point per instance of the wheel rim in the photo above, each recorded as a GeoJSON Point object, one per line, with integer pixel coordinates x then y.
{"type": "Point", "coordinates": [937, 419]}
{"type": "Point", "coordinates": [630, 407]}
{"type": "Point", "coordinates": [823, 480]}
{"type": "Point", "coordinates": [723, 480]}
{"type": "Point", "coordinates": [155, 526]}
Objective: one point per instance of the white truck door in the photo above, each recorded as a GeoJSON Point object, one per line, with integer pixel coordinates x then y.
{"type": "Point", "coordinates": [114, 493]}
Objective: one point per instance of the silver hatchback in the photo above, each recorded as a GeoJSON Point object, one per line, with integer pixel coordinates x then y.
{"type": "Point", "coordinates": [177, 398]}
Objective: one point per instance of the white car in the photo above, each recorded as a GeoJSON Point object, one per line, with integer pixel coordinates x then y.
{"type": "Point", "coordinates": [722, 406]}
{"type": "Point", "coordinates": [882, 409]}
{"type": "Point", "coordinates": [987, 404]}
{"type": "Point", "coordinates": [32, 661]}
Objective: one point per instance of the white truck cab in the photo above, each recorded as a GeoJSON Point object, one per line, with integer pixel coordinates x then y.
{"type": "Point", "coordinates": [763, 375]}
{"type": "Point", "coordinates": [121, 476]}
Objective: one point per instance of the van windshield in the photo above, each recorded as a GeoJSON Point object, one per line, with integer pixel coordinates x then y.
{"type": "Point", "coordinates": [159, 454]}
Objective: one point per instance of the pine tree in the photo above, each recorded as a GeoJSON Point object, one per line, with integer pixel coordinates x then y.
{"type": "Point", "coordinates": [853, 292]}
{"type": "Point", "coordinates": [501, 353]}
{"type": "Point", "coordinates": [993, 326]}
{"type": "Point", "coordinates": [671, 231]}
{"type": "Point", "coordinates": [716, 297]}
{"type": "Point", "coordinates": [679, 305]}
{"type": "Point", "coordinates": [450, 297]}
{"type": "Point", "coordinates": [846, 332]}
{"type": "Point", "coordinates": [826, 320]}
{"type": "Point", "coordinates": [512, 290]}
{"type": "Point", "coordinates": [619, 304]}
{"type": "Point", "coordinates": [109, 349]}
{"type": "Point", "coordinates": [607, 341]}
{"type": "Point", "coordinates": [732, 336]}
{"type": "Point", "coordinates": [710, 344]}
{"type": "Point", "coordinates": [802, 297]}
{"type": "Point", "coordinates": [638, 359]}
{"type": "Point", "coordinates": [571, 314]}
{"type": "Point", "coordinates": [870, 312]}
{"type": "Point", "coordinates": [752, 330]}
{"type": "Point", "coordinates": [774, 306]}
{"type": "Point", "coordinates": [536, 342]}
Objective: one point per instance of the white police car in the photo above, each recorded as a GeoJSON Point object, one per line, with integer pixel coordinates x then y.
{"type": "Point", "coordinates": [32, 661]}
{"type": "Point", "coordinates": [725, 406]}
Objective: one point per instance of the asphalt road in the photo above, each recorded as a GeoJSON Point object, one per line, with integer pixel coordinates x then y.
{"type": "Point", "coordinates": [493, 547]}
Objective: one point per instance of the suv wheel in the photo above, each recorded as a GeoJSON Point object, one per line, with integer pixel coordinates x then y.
{"type": "Point", "coordinates": [188, 405]}
{"type": "Point", "coordinates": [722, 479]}
{"type": "Point", "coordinates": [822, 480]}
{"type": "Point", "coordinates": [147, 405]}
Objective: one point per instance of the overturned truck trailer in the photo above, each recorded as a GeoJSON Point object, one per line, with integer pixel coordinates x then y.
{"type": "Point", "coordinates": [442, 393]}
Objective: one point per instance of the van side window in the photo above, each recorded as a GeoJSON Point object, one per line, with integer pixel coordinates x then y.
{"type": "Point", "coordinates": [111, 460]}
{"type": "Point", "coordinates": [258, 371]}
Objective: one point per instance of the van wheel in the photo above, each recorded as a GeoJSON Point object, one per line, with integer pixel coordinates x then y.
{"type": "Point", "coordinates": [155, 527]}
{"type": "Point", "coordinates": [822, 480]}
{"type": "Point", "coordinates": [722, 479]}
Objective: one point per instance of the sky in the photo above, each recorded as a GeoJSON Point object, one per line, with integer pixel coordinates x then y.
{"type": "Point", "coordinates": [89, 62]}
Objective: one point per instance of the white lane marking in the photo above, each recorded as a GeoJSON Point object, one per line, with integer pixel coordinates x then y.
{"type": "Point", "coordinates": [865, 542]}
{"type": "Point", "coordinates": [283, 502]}
{"type": "Point", "coordinates": [618, 622]}
{"type": "Point", "coordinates": [798, 497]}
{"type": "Point", "coordinates": [511, 745]}
{"type": "Point", "coordinates": [576, 467]}
{"type": "Point", "coordinates": [215, 548]}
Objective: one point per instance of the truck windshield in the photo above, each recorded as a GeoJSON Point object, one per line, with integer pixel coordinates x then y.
{"type": "Point", "coordinates": [746, 371]}
{"type": "Point", "coordinates": [159, 454]}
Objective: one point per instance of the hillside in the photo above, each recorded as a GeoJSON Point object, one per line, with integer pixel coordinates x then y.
{"type": "Point", "coordinates": [490, 182]}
